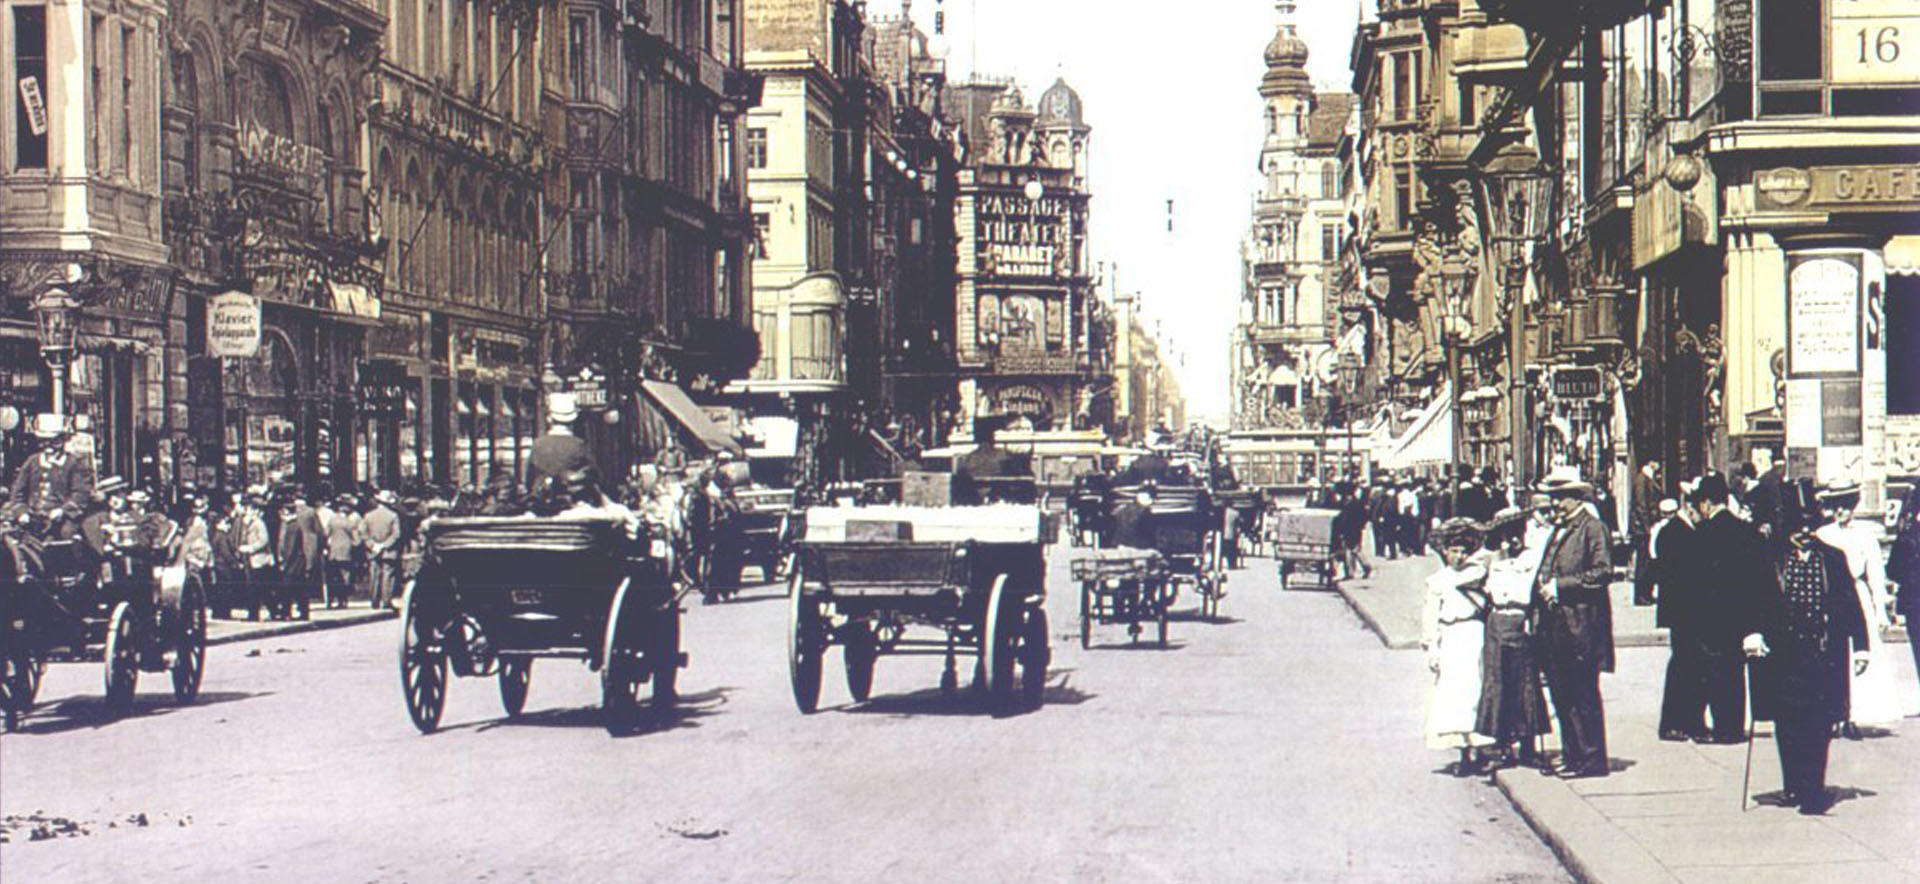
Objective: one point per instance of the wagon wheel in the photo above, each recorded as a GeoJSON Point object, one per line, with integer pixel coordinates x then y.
{"type": "Point", "coordinates": [516, 676]}
{"type": "Point", "coordinates": [1035, 655]}
{"type": "Point", "coordinates": [122, 659]}
{"type": "Point", "coordinates": [423, 666]}
{"type": "Point", "coordinates": [1000, 644]}
{"type": "Point", "coordinates": [860, 649]}
{"type": "Point", "coordinates": [190, 642]}
{"type": "Point", "coordinates": [1165, 608]}
{"type": "Point", "coordinates": [803, 645]}
{"type": "Point", "coordinates": [665, 655]}
{"type": "Point", "coordinates": [621, 670]}
{"type": "Point", "coordinates": [18, 683]}
{"type": "Point", "coordinates": [1086, 614]}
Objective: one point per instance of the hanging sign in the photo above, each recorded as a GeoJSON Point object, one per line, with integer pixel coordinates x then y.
{"type": "Point", "coordinates": [1823, 315]}
{"type": "Point", "coordinates": [233, 325]}
{"type": "Point", "coordinates": [35, 104]}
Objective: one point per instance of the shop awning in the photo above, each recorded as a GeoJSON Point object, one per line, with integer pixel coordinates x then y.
{"type": "Point", "coordinates": [1903, 256]}
{"type": "Point", "coordinates": [681, 409]}
{"type": "Point", "coordinates": [1429, 442]}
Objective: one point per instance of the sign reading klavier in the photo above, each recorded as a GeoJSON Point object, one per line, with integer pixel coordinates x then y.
{"type": "Point", "coordinates": [233, 325]}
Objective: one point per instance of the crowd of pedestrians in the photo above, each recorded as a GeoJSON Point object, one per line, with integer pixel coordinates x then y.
{"type": "Point", "coordinates": [1777, 601]}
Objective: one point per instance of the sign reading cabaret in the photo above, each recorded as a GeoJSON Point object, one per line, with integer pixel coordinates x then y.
{"type": "Point", "coordinates": [1022, 237]}
{"type": "Point", "coordinates": [1823, 315]}
{"type": "Point", "coordinates": [233, 325]}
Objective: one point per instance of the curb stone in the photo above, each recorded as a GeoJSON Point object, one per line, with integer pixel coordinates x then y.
{"type": "Point", "coordinates": [1591, 847]}
{"type": "Point", "coordinates": [263, 631]}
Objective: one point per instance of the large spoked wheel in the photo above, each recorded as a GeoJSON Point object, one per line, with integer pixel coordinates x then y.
{"type": "Point", "coordinates": [1086, 615]}
{"type": "Point", "coordinates": [803, 645]}
{"type": "Point", "coordinates": [621, 669]}
{"type": "Point", "coordinates": [19, 682]}
{"type": "Point", "coordinates": [190, 642]}
{"type": "Point", "coordinates": [423, 666]}
{"type": "Point", "coordinates": [665, 655]}
{"type": "Point", "coordinates": [860, 649]}
{"type": "Point", "coordinates": [122, 659]}
{"type": "Point", "coordinates": [1035, 656]}
{"type": "Point", "coordinates": [1000, 644]}
{"type": "Point", "coordinates": [516, 676]}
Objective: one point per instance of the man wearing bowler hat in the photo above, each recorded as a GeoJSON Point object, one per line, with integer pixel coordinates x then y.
{"type": "Point", "coordinates": [1576, 632]}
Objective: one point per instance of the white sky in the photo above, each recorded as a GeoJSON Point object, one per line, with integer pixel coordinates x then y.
{"type": "Point", "coordinates": [1171, 94]}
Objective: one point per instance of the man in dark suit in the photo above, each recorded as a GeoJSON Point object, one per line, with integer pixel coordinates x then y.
{"type": "Point", "coordinates": [1576, 633]}
{"type": "Point", "coordinates": [1764, 504]}
{"type": "Point", "coordinates": [298, 553]}
{"type": "Point", "coordinates": [987, 460]}
{"type": "Point", "coordinates": [1722, 566]}
{"type": "Point", "coordinates": [1667, 563]}
{"type": "Point", "coordinates": [559, 453]}
{"type": "Point", "coordinates": [1804, 627]}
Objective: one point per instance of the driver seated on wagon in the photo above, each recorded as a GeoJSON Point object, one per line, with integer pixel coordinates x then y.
{"type": "Point", "coordinates": [986, 461]}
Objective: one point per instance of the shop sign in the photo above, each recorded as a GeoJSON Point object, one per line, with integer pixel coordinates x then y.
{"type": "Point", "coordinates": [233, 325]}
{"type": "Point", "coordinates": [381, 389]}
{"type": "Point", "coordinates": [145, 295]}
{"type": "Point", "coordinates": [1024, 400]}
{"type": "Point", "coordinates": [1823, 315]}
{"type": "Point", "coordinates": [1842, 420]}
{"type": "Point", "coordinates": [1875, 42]}
{"type": "Point", "coordinates": [1841, 188]}
{"type": "Point", "coordinates": [35, 104]}
{"type": "Point", "coordinates": [590, 393]}
{"type": "Point", "coordinates": [1581, 384]}
{"type": "Point", "coordinates": [269, 155]}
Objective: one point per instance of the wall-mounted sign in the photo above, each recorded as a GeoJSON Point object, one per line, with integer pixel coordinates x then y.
{"type": "Point", "coordinates": [269, 155]}
{"type": "Point", "coordinates": [1823, 315]}
{"type": "Point", "coordinates": [35, 105]}
{"type": "Point", "coordinates": [233, 325]}
{"type": "Point", "coordinates": [1841, 188]}
{"type": "Point", "coordinates": [1875, 42]}
{"type": "Point", "coordinates": [1842, 420]}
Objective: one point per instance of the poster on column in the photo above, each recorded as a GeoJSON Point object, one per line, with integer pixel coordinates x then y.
{"type": "Point", "coordinates": [1823, 315]}
{"type": "Point", "coordinates": [1803, 416]}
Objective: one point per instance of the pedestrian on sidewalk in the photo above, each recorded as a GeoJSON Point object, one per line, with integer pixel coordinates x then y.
{"type": "Point", "coordinates": [299, 556]}
{"type": "Point", "coordinates": [1903, 567]}
{"type": "Point", "coordinates": [255, 545]}
{"type": "Point", "coordinates": [1453, 631]}
{"type": "Point", "coordinates": [342, 527]}
{"type": "Point", "coordinates": [380, 534]}
{"type": "Point", "coordinates": [1805, 626]}
{"type": "Point", "coordinates": [1875, 694]}
{"type": "Point", "coordinates": [1380, 510]}
{"type": "Point", "coordinates": [1513, 710]}
{"type": "Point", "coordinates": [1576, 621]}
{"type": "Point", "coordinates": [1705, 591]}
{"type": "Point", "coordinates": [1351, 526]}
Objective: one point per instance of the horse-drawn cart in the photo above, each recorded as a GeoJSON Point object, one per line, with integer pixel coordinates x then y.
{"type": "Point", "coordinates": [1123, 586]}
{"type": "Point", "coordinates": [927, 580]}
{"type": "Point", "coordinates": [1303, 539]}
{"type": "Point", "coordinates": [61, 603]}
{"type": "Point", "coordinates": [495, 594]}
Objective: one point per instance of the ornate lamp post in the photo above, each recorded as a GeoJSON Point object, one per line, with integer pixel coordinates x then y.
{"type": "Point", "coordinates": [1455, 327]}
{"type": "Point", "coordinates": [54, 312]}
{"type": "Point", "coordinates": [1516, 193]}
{"type": "Point", "coordinates": [1350, 392]}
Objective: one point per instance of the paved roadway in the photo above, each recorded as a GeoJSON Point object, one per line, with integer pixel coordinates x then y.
{"type": "Point", "coordinates": [1283, 746]}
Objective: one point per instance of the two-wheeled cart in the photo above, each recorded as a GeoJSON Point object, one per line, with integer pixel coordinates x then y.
{"type": "Point", "coordinates": [1123, 587]}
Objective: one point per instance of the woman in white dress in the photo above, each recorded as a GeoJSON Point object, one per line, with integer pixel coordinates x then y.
{"type": "Point", "coordinates": [1876, 691]}
{"type": "Point", "coordinates": [1453, 633]}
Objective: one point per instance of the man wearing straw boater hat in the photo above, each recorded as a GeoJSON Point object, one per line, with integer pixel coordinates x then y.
{"type": "Point", "coordinates": [1576, 633]}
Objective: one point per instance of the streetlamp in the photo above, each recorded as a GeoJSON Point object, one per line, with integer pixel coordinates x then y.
{"type": "Point", "coordinates": [1516, 194]}
{"type": "Point", "coordinates": [54, 312]}
{"type": "Point", "coordinates": [1350, 385]}
{"type": "Point", "coordinates": [1455, 327]}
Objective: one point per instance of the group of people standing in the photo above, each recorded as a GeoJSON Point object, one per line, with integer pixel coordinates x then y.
{"type": "Point", "coordinates": [1772, 594]}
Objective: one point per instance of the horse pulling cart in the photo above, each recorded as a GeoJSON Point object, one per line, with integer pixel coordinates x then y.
{"type": "Point", "coordinates": [1123, 586]}
{"type": "Point", "coordinates": [60, 603]}
{"type": "Point", "coordinates": [495, 594]}
{"type": "Point", "coordinates": [926, 580]}
{"type": "Point", "coordinates": [1303, 539]}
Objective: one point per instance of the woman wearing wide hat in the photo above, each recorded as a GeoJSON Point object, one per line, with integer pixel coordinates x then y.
{"type": "Point", "coordinates": [1874, 694]}
{"type": "Point", "coordinates": [1453, 631]}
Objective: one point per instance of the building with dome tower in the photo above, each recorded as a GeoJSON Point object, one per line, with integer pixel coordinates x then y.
{"type": "Point", "coordinates": [1032, 339]}
{"type": "Point", "coordinates": [1285, 342]}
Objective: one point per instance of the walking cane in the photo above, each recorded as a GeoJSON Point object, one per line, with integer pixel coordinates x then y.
{"type": "Point", "coordinates": [1746, 778]}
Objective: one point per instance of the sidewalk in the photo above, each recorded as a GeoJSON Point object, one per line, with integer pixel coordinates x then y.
{"type": "Point", "coordinates": [1390, 602]}
{"type": "Point", "coordinates": [220, 632]}
{"type": "Point", "coordinates": [1671, 811]}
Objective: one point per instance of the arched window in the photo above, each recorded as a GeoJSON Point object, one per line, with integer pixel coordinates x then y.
{"type": "Point", "coordinates": [323, 139]}
{"type": "Point", "coordinates": [403, 242]}
{"type": "Point", "coordinates": [381, 204]}
{"type": "Point", "coordinates": [185, 100]}
{"type": "Point", "coordinates": [272, 104]}
{"type": "Point", "coordinates": [1273, 120]}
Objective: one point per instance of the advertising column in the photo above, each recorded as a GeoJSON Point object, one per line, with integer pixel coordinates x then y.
{"type": "Point", "coordinates": [1836, 366]}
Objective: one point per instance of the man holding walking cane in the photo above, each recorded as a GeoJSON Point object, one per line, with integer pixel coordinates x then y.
{"type": "Point", "coordinates": [1805, 626]}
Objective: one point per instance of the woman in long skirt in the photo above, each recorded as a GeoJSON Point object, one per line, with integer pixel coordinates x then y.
{"type": "Point", "coordinates": [1453, 631]}
{"type": "Point", "coordinates": [1513, 709]}
{"type": "Point", "coordinates": [1875, 693]}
